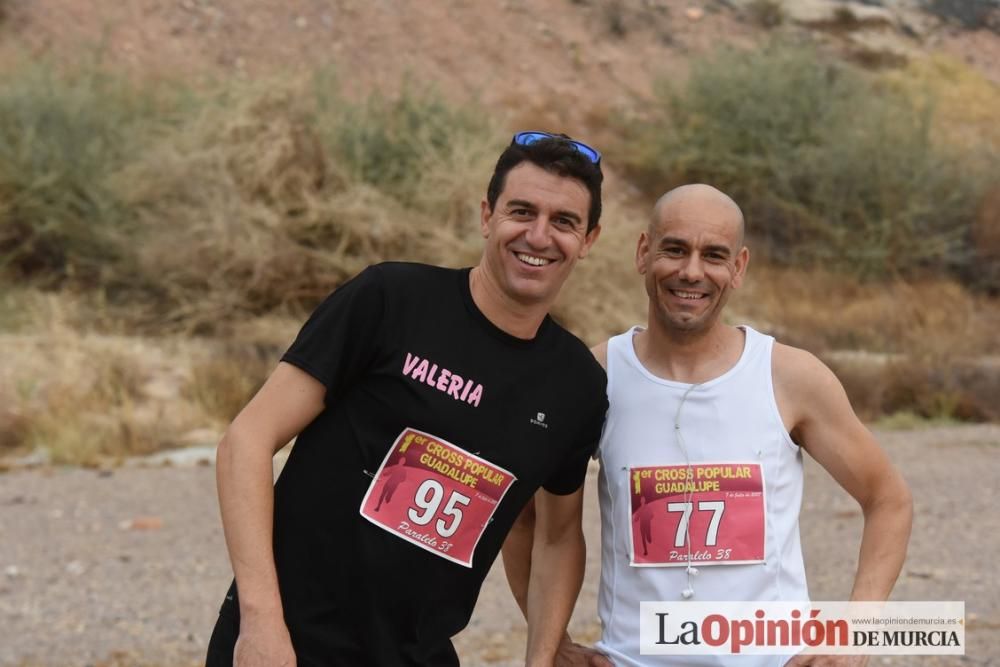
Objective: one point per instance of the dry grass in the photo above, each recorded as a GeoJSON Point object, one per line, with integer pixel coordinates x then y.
{"type": "Point", "coordinates": [222, 384]}
{"type": "Point", "coordinates": [825, 311]}
{"type": "Point", "coordinates": [927, 348]}
{"type": "Point", "coordinates": [247, 212]}
{"type": "Point", "coordinates": [84, 397]}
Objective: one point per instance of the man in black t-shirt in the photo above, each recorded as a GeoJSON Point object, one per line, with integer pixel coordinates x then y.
{"type": "Point", "coordinates": [456, 388]}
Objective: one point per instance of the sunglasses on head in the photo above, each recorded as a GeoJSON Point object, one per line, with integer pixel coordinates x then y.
{"type": "Point", "coordinates": [528, 138]}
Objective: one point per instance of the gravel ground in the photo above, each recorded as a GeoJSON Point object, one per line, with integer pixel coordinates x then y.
{"type": "Point", "coordinates": [127, 567]}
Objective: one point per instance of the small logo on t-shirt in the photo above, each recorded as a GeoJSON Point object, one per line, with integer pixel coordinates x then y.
{"type": "Point", "coordinates": [539, 420]}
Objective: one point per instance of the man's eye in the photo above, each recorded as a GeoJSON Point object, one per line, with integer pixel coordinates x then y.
{"type": "Point", "coordinates": [674, 252]}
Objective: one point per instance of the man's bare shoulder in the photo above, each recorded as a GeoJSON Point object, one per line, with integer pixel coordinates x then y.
{"type": "Point", "coordinates": [804, 385]}
{"type": "Point", "coordinates": [799, 369]}
{"type": "Point", "coordinates": [600, 352]}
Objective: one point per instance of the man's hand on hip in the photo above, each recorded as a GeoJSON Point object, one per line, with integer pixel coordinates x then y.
{"type": "Point", "coordinates": [264, 644]}
{"type": "Point", "coordinates": [572, 654]}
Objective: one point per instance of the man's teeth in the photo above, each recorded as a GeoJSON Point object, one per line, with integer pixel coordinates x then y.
{"type": "Point", "coordinates": [687, 295]}
{"type": "Point", "coordinates": [531, 259]}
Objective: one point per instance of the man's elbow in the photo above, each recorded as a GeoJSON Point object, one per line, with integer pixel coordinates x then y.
{"type": "Point", "coordinates": [240, 443]}
{"type": "Point", "coordinates": [893, 498]}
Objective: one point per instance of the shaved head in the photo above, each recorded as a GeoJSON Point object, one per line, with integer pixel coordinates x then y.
{"type": "Point", "coordinates": [691, 257]}
{"type": "Point", "coordinates": [698, 199]}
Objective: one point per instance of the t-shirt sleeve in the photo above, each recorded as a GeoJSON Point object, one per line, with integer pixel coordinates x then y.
{"type": "Point", "coordinates": [339, 341]}
{"type": "Point", "coordinates": [568, 477]}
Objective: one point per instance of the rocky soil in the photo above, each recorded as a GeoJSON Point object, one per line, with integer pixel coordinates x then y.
{"type": "Point", "coordinates": [127, 566]}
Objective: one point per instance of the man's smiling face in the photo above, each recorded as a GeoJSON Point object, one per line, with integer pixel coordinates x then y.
{"type": "Point", "coordinates": [535, 233]}
{"type": "Point", "coordinates": [691, 256]}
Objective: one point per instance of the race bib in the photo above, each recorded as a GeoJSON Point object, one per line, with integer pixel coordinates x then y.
{"type": "Point", "coordinates": [435, 495]}
{"type": "Point", "coordinates": [705, 513]}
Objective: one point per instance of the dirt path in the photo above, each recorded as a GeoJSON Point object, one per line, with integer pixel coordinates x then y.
{"type": "Point", "coordinates": [127, 567]}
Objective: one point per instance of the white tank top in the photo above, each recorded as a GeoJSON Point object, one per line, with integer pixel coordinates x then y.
{"type": "Point", "coordinates": [731, 418]}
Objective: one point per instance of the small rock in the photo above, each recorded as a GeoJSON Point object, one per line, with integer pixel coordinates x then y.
{"type": "Point", "coordinates": [142, 523]}
{"type": "Point", "coordinates": [301, 22]}
{"type": "Point", "coordinates": [76, 568]}
{"type": "Point", "coordinates": [845, 15]}
{"type": "Point", "coordinates": [12, 571]}
{"type": "Point", "coordinates": [877, 48]}
{"type": "Point", "coordinates": [55, 514]}
{"type": "Point", "coordinates": [694, 13]}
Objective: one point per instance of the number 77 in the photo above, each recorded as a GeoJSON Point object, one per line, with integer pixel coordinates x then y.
{"type": "Point", "coordinates": [716, 506]}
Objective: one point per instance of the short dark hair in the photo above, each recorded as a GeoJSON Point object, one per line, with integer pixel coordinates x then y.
{"type": "Point", "coordinates": [555, 155]}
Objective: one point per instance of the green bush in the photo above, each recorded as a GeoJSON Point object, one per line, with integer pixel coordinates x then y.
{"type": "Point", "coordinates": [766, 13]}
{"type": "Point", "coordinates": [272, 196]}
{"type": "Point", "coordinates": [61, 137]}
{"type": "Point", "coordinates": [390, 142]}
{"type": "Point", "coordinates": [829, 165]}
{"type": "Point", "coordinates": [200, 208]}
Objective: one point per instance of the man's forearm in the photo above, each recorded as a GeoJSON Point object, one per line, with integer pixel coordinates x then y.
{"type": "Point", "coordinates": [556, 576]}
{"type": "Point", "coordinates": [883, 544]}
{"type": "Point", "coordinates": [517, 555]}
{"type": "Point", "coordinates": [245, 479]}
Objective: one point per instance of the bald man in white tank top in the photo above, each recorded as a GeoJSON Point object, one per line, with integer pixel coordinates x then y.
{"type": "Point", "coordinates": [698, 407]}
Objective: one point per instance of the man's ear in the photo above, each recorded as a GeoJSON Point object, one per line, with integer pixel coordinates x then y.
{"type": "Point", "coordinates": [742, 262]}
{"type": "Point", "coordinates": [589, 240]}
{"type": "Point", "coordinates": [485, 212]}
{"type": "Point", "coordinates": [641, 252]}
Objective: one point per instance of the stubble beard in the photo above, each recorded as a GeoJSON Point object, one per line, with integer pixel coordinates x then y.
{"type": "Point", "coordinates": [681, 325]}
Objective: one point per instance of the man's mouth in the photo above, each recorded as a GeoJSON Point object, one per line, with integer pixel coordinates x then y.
{"type": "Point", "coordinates": [532, 260]}
{"type": "Point", "coordinates": [688, 296]}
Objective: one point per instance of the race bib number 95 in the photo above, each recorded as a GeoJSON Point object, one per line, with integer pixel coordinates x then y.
{"type": "Point", "coordinates": [705, 514]}
{"type": "Point", "coordinates": [435, 494]}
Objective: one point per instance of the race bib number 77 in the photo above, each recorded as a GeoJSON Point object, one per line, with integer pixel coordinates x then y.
{"type": "Point", "coordinates": [705, 514]}
{"type": "Point", "coordinates": [435, 495]}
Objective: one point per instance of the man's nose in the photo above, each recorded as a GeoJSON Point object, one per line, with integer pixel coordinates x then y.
{"type": "Point", "coordinates": [693, 269]}
{"type": "Point", "coordinates": [537, 235]}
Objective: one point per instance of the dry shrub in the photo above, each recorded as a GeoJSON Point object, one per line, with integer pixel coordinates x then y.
{"type": "Point", "coordinates": [965, 100]}
{"type": "Point", "coordinates": [247, 212]}
{"type": "Point", "coordinates": [15, 423]}
{"type": "Point", "coordinates": [909, 390]}
{"type": "Point", "coordinates": [831, 165]}
{"type": "Point", "coordinates": [62, 136]}
{"type": "Point", "coordinates": [824, 311]}
{"type": "Point", "coordinates": [926, 348]}
{"type": "Point", "coordinates": [765, 13]}
{"type": "Point", "coordinates": [985, 267]}
{"type": "Point", "coordinates": [84, 397]}
{"type": "Point", "coordinates": [224, 382]}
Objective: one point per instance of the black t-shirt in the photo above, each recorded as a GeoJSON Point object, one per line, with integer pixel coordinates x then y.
{"type": "Point", "coordinates": [355, 593]}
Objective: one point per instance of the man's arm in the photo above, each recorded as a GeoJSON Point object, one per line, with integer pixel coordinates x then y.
{"type": "Point", "coordinates": [516, 554]}
{"type": "Point", "coordinates": [289, 400]}
{"type": "Point", "coordinates": [557, 562]}
{"type": "Point", "coordinates": [825, 425]}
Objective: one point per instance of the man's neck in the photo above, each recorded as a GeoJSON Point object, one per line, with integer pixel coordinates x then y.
{"type": "Point", "coordinates": [694, 357]}
{"type": "Point", "coordinates": [517, 319]}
